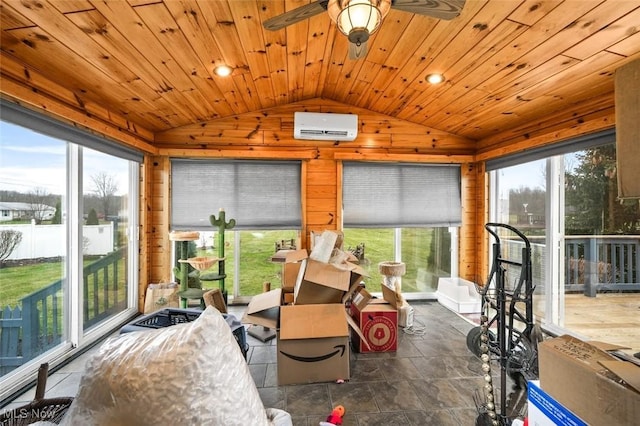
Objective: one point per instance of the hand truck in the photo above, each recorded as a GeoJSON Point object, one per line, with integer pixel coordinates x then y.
{"type": "Point", "coordinates": [507, 309]}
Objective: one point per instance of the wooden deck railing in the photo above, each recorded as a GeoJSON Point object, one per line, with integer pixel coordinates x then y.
{"type": "Point", "coordinates": [37, 325]}
{"type": "Point", "coordinates": [593, 263]}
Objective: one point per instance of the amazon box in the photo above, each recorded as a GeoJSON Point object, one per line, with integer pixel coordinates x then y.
{"type": "Point", "coordinates": [313, 344]}
{"type": "Point", "coordinates": [378, 322]}
{"type": "Point", "coordinates": [585, 377]}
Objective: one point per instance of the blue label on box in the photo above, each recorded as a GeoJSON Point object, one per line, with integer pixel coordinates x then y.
{"type": "Point", "coordinates": [551, 408]}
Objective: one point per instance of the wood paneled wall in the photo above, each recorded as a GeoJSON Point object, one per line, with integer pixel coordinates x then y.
{"type": "Point", "coordinates": [268, 134]}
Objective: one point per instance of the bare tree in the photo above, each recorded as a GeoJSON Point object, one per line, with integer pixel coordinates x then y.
{"type": "Point", "coordinates": [105, 187]}
{"type": "Point", "coordinates": [38, 198]}
{"type": "Point", "coordinates": [9, 240]}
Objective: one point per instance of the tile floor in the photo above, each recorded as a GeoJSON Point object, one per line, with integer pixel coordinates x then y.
{"type": "Point", "coordinates": [430, 380]}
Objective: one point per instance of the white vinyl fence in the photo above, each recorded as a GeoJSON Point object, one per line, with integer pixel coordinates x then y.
{"type": "Point", "coordinates": [49, 240]}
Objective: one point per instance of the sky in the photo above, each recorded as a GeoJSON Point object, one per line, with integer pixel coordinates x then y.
{"type": "Point", "coordinates": [30, 160]}
{"type": "Point", "coordinates": [528, 175]}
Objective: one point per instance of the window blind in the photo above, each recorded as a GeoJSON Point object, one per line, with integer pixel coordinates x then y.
{"type": "Point", "coordinates": [395, 195]}
{"type": "Point", "coordinates": [572, 145]}
{"type": "Point", "coordinates": [19, 115]}
{"type": "Point", "coordinates": [257, 194]}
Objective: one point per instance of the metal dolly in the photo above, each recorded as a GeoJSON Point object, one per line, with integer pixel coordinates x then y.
{"type": "Point", "coordinates": [514, 343]}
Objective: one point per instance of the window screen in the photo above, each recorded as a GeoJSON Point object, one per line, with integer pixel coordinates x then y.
{"type": "Point", "coordinates": [384, 195]}
{"type": "Point", "coordinates": [257, 194]}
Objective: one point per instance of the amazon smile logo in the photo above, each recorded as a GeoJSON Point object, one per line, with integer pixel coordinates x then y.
{"type": "Point", "coordinates": [339, 351]}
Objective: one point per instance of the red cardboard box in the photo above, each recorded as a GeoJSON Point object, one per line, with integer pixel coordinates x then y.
{"type": "Point", "coordinates": [378, 321]}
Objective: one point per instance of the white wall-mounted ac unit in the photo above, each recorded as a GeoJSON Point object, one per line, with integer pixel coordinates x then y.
{"type": "Point", "coordinates": [325, 126]}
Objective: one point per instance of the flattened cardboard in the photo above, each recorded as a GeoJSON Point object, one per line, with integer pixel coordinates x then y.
{"type": "Point", "coordinates": [290, 273]}
{"type": "Point", "coordinates": [264, 309]}
{"type": "Point", "coordinates": [323, 246]}
{"type": "Point", "coordinates": [320, 283]}
{"type": "Point", "coordinates": [291, 261]}
{"type": "Point", "coordinates": [313, 344]}
{"type": "Point", "coordinates": [574, 373]}
{"type": "Point", "coordinates": [391, 297]}
{"type": "Point", "coordinates": [289, 256]}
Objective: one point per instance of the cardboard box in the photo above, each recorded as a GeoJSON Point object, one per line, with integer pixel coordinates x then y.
{"type": "Point", "coordinates": [313, 344]}
{"type": "Point", "coordinates": [291, 261]}
{"type": "Point", "coordinates": [321, 283]}
{"type": "Point", "coordinates": [264, 309]}
{"type": "Point", "coordinates": [589, 381]}
{"type": "Point", "coordinates": [405, 311]}
{"type": "Point", "coordinates": [543, 410]}
{"type": "Point", "coordinates": [357, 296]}
{"type": "Point", "coordinates": [378, 322]}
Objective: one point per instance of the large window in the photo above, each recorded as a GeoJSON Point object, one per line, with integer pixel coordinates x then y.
{"type": "Point", "coordinates": [406, 213]}
{"type": "Point", "coordinates": [264, 200]}
{"type": "Point", "coordinates": [69, 257]}
{"type": "Point", "coordinates": [566, 197]}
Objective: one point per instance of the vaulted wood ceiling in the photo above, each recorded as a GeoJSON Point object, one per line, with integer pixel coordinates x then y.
{"type": "Point", "coordinates": [507, 62]}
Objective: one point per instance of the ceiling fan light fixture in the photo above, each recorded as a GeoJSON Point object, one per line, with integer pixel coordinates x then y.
{"type": "Point", "coordinates": [435, 78]}
{"type": "Point", "coordinates": [358, 19]}
{"type": "Point", "coordinates": [223, 70]}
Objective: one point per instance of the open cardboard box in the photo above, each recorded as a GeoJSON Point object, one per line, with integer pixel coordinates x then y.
{"type": "Point", "coordinates": [596, 386]}
{"type": "Point", "coordinates": [291, 261]}
{"type": "Point", "coordinates": [377, 322]}
{"type": "Point", "coordinates": [323, 283]}
{"type": "Point", "coordinates": [313, 344]}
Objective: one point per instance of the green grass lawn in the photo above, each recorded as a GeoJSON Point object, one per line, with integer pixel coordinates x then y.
{"type": "Point", "coordinates": [255, 266]}
{"type": "Point", "coordinates": [19, 281]}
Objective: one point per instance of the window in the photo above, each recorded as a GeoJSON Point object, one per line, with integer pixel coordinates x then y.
{"type": "Point", "coordinates": [71, 275]}
{"type": "Point", "coordinates": [262, 197]}
{"type": "Point", "coordinates": [570, 191]}
{"type": "Point", "coordinates": [402, 212]}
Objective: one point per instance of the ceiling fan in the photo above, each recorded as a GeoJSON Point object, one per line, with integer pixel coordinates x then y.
{"type": "Point", "coordinates": [358, 19]}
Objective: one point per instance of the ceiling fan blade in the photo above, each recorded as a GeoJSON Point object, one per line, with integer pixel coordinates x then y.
{"type": "Point", "coordinates": [440, 9]}
{"type": "Point", "coordinates": [357, 51]}
{"type": "Point", "coordinates": [296, 15]}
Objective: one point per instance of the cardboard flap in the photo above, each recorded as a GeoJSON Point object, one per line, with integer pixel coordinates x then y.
{"type": "Point", "coordinates": [327, 275]}
{"type": "Point", "coordinates": [312, 321]}
{"type": "Point", "coordinates": [358, 270]}
{"type": "Point", "coordinates": [354, 327]}
{"type": "Point", "coordinates": [627, 371]}
{"type": "Point", "coordinates": [323, 246]}
{"type": "Point", "coordinates": [604, 346]}
{"type": "Point", "coordinates": [264, 309]}
{"type": "Point", "coordinates": [391, 297]}
{"type": "Point", "coordinates": [359, 296]}
{"type": "Point", "coordinates": [289, 256]}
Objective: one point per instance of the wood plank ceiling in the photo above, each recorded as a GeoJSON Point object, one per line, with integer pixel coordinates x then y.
{"type": "Point", "coordinates": [507, 62]}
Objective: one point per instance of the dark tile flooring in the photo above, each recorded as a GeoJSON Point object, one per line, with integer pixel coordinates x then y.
{"type": "Point", "coordinates": [430, 380]}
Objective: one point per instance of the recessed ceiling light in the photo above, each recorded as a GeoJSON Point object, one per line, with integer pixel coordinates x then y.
{"type": "Point", "coordinates": [435, 78]}
{"type": "Point", "coordinates": [223, 70]}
